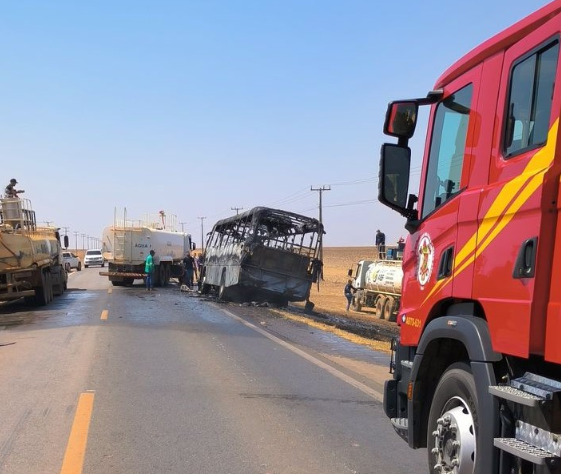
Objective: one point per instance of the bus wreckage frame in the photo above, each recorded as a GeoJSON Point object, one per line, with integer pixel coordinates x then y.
{"type": "Point", "coordinates": [263, 254]}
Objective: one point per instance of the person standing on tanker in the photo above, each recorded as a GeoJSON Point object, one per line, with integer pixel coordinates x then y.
{"type": "Point", "coordinates": [381, 244]}
{"type": "Point", "coordinates": [10, 191]}
{"type": "Point", "coordinates": [149, 270]}
{"type": "Point", "coordinates": [349, 291]}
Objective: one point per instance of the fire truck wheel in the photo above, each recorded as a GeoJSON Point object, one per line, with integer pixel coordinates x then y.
{"type": "Point", "coordinates": [451, 430]}
{"type": "Point", "coordinates": [380, 302]}
{"type": "Point", "coordinates": [79, 266]}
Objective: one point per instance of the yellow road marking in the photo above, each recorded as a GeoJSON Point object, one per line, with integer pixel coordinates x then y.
{"type": "Point", "coordinates": [104, 314]}
{"type": "Point", "coordinates": [76, 447]}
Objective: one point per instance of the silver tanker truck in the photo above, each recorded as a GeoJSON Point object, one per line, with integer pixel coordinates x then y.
{"type": "Point", "coordinates": [378, 286]}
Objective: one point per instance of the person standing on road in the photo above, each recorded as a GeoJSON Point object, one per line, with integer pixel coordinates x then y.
{"type": "Point", "coordinates": [381, 244]}
{"type": "Point", "coordinates": [349, 292]}
{"type": "Point", "coordinates": [149, 270]}
{"type": "Point", "coordinates": [189, 264]}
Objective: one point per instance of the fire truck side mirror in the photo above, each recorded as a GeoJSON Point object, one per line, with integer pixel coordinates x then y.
{"type": "Point", "coordinates": [393, 182]}
{"type": "Point", "coordinates": [401, 119]}
{"type": "Point", "coordinates": [350, 272]}
{"type": "Point", "coordinates": [65, 241]}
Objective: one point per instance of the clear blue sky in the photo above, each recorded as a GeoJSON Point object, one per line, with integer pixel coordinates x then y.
{"type": "Point", "coordinates": [195, 107]}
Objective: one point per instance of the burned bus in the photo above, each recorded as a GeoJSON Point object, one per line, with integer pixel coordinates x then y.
{"type": "Point", "coordinates": [263, 255]}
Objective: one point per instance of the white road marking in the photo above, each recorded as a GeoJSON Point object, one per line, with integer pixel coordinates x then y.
{"type": "Point", "coordinates": [337, 373]}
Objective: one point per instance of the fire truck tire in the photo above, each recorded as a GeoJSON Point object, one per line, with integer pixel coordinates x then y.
{"type": "Point", "coordinates": [451, 430]}
{"type": "Point", "coordinates": [389, 307]}
{"type": "Point", "coordinates": [380, 302]}
{"type": "Point", "coordinates": [79, 266]}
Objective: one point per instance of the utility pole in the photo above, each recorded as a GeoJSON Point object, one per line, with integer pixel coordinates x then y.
{"type": "Point", "coordinates": [202, 233]}
{"type": "Point", "coordinates": [83, 241]}
{"type": "Point", "coordinates": [182, 224]}
{"type": "Point", "coordinates": [320, 236]}
{"type": "Point", "coordinates": [236, 209]}
{"type": "Point", "coordinates": [76, 240]}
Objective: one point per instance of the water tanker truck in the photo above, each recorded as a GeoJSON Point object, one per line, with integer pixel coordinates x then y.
{"type": "Point", "coordinates": [31, 264]}
{"type": "Point", "coordinates": [378, 286]}
{"type": "Point", "coordinates": [126, 244]}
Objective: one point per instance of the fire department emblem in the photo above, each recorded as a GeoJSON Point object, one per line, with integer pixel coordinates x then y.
{"type": "Point", "coordinates": [425, 259]}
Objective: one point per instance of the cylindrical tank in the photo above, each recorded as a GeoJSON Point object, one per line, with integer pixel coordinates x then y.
{"type": "Point", "coordinates": [22, 250]}
{"type": "Point", "coordinates": [384, 276]}
{"type": "Point", "coordinates": [131, 245]}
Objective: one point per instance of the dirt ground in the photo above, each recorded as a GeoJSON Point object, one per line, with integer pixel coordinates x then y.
{"type": "Point", "coordinates": [330, 302]}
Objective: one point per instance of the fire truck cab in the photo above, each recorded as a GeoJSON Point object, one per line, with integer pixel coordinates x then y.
{"type": "Point", "coordinates": [477, 367]}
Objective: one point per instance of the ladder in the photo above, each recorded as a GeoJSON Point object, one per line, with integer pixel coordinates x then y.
{"type": "Point", "coordinates": [535, 403]}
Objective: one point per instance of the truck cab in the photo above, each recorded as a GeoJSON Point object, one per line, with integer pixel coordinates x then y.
{"type": "Point", "coordinates": [481, 308]}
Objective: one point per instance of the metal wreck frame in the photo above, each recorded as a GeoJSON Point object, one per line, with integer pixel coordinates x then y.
{"type": "Point", "coordinates": [263, 254]}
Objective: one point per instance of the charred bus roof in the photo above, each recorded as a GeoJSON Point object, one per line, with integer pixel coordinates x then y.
{"type": "Point", "coordinates": [285, 222]}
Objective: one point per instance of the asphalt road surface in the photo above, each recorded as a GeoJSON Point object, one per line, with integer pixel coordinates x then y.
{"type": "Point", "coordinates": [120, 380]}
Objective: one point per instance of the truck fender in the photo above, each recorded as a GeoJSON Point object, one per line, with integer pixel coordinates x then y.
{"type": "Point", "coordinates": [473, 333]}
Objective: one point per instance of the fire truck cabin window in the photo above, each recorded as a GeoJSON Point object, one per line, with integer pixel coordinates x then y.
{"type": "Point", "coordinates": [529, 106]}
{"type": "Point", "coordinates": [447, 149]}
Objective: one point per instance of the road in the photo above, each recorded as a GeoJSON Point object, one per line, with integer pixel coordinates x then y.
{"type": "Point", "coordinates": [121, 380]}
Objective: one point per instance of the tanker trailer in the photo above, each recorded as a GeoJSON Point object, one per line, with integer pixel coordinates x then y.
{"type": "Point", "coordinates": [378, 286]}
{"type": "Point", "coordinates": [30, 256]}
{"type": "Point", "coordinates": [126, 245]}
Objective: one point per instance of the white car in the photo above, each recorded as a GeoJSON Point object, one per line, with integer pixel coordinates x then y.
{"type": "Point", "coordinates": [70, 261]}
{"type": "Point", "coordinates": [94, 257]}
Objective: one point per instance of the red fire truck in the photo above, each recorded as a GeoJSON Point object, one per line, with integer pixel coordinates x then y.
{"type": "Point", "coordinates": [477, 367]}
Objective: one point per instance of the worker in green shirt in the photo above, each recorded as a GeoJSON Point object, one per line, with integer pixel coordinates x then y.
{"type": "Point", "coordinates": [149, 270]}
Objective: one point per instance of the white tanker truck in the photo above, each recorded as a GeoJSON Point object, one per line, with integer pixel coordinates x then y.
{"type": "Point", "coordinates": [127, 243]}
{"type": "Point", "coordinates": [378, 286]}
